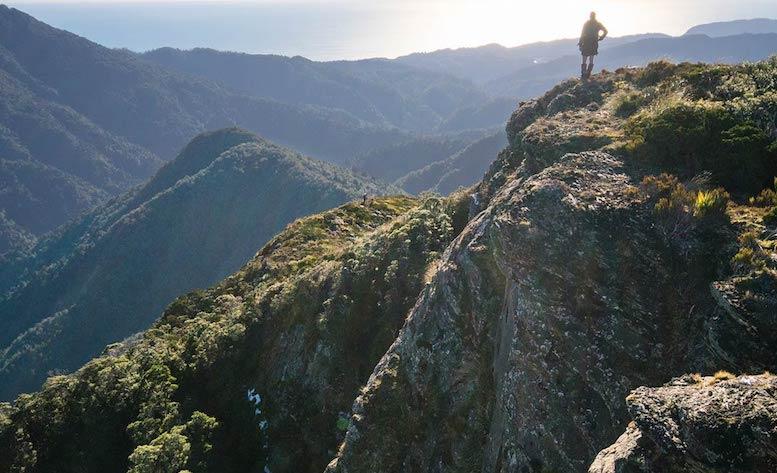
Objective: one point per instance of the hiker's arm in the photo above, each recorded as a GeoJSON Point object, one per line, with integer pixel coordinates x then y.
{"type": "Point", "coordinates": [603, 33]}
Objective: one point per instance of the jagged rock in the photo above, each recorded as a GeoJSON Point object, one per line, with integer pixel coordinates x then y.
{"type": "Point", "coordinates": [700, 425]}
{"type": "Point", "coordinates": [542, 318]}
{"type": "Point", "coordinates": [561, 296]}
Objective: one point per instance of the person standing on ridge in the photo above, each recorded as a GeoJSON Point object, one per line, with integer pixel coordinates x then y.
{"type": "Point", "coordinates": [593, 32]}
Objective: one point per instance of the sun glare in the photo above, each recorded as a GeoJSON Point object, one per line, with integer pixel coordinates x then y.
{"type": "Point", "coordinates": [514, 22]}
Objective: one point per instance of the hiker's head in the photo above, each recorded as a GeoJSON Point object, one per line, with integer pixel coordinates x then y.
{"type": "Point", "coordinates": [593, 15]}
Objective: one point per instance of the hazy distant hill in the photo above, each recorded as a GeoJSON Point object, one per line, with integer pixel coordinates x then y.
{"type": "Point", "coordinates": [730, 28]}
{"type": "Point", "coordinates": [531, 81]}
{"type": "Point", "coordinates": [462, 169]}
{"type": "Point", "coordinates": [378, 91]}
{"type": "Point", "coordinates": [54, 162]}
{"type": "Point", "coordinates": [485, 63]}
{"type": "Point", "coordinates": [159, 109]}
{"type": "Point", "coordinates": [479, 116]}
{"type": "Point", "coordinates": [392, 162]}
{"type": "Point", "coordinates": [109, 274]}
{"type": "Point", "coordinates": [80, 123]}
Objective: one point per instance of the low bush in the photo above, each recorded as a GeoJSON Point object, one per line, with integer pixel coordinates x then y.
{"type": "Point", "coordinates": [766, 198]}
{"type": "Point", "coordinates": [627, 104]}
{"type": "Point", "coordinates": [687, 138]}
{"type": "Point", "coordinates": [681, 212]}
{"type": "Point", "coordinates": [751, 255]}
{"type": "Point", "coordinates": [771, 217]}
{"type": "Point", "coordinates": [711, 204]}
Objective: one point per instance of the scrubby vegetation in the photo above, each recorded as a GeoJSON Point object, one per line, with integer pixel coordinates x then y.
{"type": "Point", "coordinates": [718, 119]}
{"type": "Point", "coordinates": [299, 329]}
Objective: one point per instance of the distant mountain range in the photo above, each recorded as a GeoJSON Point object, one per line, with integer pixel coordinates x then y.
{"type": "Point", "coordinates": [378, 91]}
{"type": "Point", "coordinates": [487, 63]}
{"type": "Point", "coordinates": [107, 275]}
{"type": "Point", "coordinates": [530, 81]}
{"type": "Point", "coordinates": [736, 27]}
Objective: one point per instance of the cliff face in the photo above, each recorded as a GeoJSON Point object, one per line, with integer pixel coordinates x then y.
{"type": "Point", "coordinates": [711, 424]}
{"type": "Point", "coordinates": [575, 284]}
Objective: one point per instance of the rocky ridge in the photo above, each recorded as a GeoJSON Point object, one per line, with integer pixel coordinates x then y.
{"type": "Point", "coordinates": [575, 284]}
{"type": "Point", "coordinates": [624, 238]}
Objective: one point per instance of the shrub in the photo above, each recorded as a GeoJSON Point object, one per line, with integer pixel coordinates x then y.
{"type": "Point", "coordinates": [723, 376]}
{"type": "Point", "coordinates": [771, 216]}
{"type": "Point", "coordinates": [681, 213]}
{"type": "Point", "coordinates": [703, 80]}
{"type": "Point", "coordinates": [627, 104]}
{"type": "Point", "coordinates": [655, 72]}
{"type": "Point", "coordinates": [687, 138]}
{"type": "Point", "coordinates": [751, 256]}
{"type": "Point", "coordinates": [711, 204]}
{"type": "Point", "coordinates": [767, 197]}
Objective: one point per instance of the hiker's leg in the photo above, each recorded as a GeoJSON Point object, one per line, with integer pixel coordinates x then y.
{"type": "Point", "coordinates": [583, 68]}
{"type": "Point", "coordinates": [590, 66]}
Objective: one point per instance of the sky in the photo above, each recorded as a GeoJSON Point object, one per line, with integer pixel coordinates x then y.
{"type": "Point", "coordinates": [351, 29]}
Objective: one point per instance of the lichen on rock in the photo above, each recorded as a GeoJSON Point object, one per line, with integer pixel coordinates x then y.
{"type": "Point", "coordinates": [700, 424]}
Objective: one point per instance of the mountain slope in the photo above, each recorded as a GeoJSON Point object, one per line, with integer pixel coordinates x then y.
{"type": "Point", "coordinates": [55, 162]}
{"type": "Point", "coordinates": [462, 169]}
{"type": "Point", "coordinates": [378, 91]}
{"type": "Point", "coordinates": [396, 160]}
{"type": "Point", "coordinates": [599, 254]}
{"type": "Point", "coordinates": [271, 355]}
{"type": "Point", "coordinates": [161, 110]}
{"type": "Point", "coordinates": [80, 123]}
{"type": "Point", "coordinates": [82, 288]}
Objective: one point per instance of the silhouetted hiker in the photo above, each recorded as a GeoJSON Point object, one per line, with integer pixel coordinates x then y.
{"type": "Point", "coordinates": [593, 32]}
{"type": "Point", "coordinates": [364, 199]}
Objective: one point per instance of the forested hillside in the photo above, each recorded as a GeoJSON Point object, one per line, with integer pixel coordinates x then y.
{"type": "Point", "coordinates": [378, 91]}
{"type": "Point", "coordinates": [108, 274]}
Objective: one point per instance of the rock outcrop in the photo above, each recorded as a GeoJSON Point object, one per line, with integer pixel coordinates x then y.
{"type": "Point", "coordinates": [694, 424]}
{"type": "Point", "coordinates": [570, 287]}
